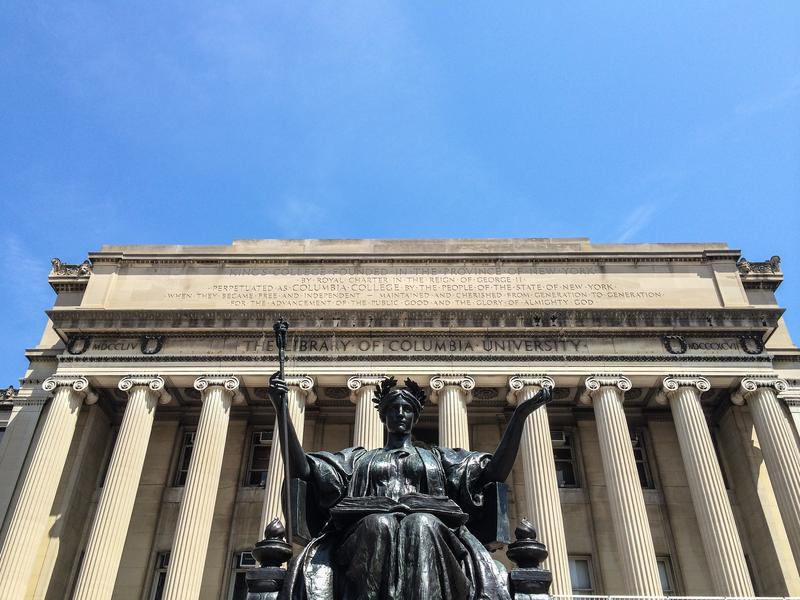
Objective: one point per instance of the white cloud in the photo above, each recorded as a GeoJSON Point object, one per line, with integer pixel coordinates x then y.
{"type": "Point", "coordinates": [636, 221]}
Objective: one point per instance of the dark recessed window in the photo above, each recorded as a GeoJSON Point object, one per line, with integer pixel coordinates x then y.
{"type": "Point", "coordinates": [565, 458]}
{"type": "Point", "coordinates": [258, 462]}
{"type": "Point", "coordinates": [160, 578]}
{"type": "Point", "coordinates": [242, 563]}
{"type": "Point", "coordinates": [640, 456]}
{"type": "Point", "coordinates": [185, 458]}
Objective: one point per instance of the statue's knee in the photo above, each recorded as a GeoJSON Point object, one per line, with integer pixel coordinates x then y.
{"type": "Point", "coordinates": [420, 521]}
{"type": "Point", "coordinates": [379, 524]}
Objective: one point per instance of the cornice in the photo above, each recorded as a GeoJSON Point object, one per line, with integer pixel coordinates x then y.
{"type": "Point", "coordinates": [70, 320]}
{"type": "Point", "coordinates": [377, 257]}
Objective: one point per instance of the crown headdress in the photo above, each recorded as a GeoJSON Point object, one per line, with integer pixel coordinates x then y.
{"type": "Point", "coordinates": [412, 392]}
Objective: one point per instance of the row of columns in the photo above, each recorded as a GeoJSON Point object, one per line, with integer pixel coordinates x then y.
{"type": "Point", "coordinates": [605, 393]}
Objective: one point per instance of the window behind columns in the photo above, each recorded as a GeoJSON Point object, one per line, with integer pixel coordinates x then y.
{"type": "Point", "coordinates": [184, 458]}
{"type": "Point", "coordinates": [242, 562]}
{"type": "Point", "coordinates": [160, 577]}
{"type": "Point", "coordinates": [640, 455]}
{"type": "Point", "coordinates": [580, 575]}
{"type": "Point", "coordinates": [666, 575]}
{"type": "Point", "coordinates": [258, 459]}
{"type": "Point", "coordinates": [565, 458]}
{"type": "Point", "coordinates": [5, 418]}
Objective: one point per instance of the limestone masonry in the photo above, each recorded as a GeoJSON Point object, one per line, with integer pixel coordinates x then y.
{"type": "Point", "coordinates": [138, 458]}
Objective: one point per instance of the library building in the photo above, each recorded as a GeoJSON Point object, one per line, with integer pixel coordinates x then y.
{"type": "Point", "coordinates": [140, 454]}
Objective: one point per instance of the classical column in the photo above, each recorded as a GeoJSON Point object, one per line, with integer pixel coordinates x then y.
{"type": "Point", "coordinates": [190, 544]}
{"type": "Point", "coordinates": [779, 447]}
{"type": "Point", "coordinates": [301, 395]}
{"type": "Point", "coordinates": [541, 486]}
{"type": "Point", "coordinates": [628, 513]}
{"type": "Point", "coordinates": [27, 406]}
{"type": "Point", "coordinates": [110, 528]}
{"type": "Point", "coordinates": [368, 430]}
{"type": "Point", "coordinates": [718, 531]}
{"type": "Point", "coordinates": [452, 393]}
{"type": "Point", "coordinates": [28, 521]}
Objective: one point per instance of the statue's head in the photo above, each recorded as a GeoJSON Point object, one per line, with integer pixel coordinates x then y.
{"type": "Point", "coordinates": [399, 408]}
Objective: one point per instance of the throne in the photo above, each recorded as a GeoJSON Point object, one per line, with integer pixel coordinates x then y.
{"type": "Point", "coordinates": [490, 526]}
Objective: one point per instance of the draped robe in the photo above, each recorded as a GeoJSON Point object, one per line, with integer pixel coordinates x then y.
{"type": "Point", "coordinates": [395, 555]}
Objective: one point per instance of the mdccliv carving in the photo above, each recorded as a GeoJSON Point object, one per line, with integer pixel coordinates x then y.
{"type": "Point", "coordinates": [402, 522]}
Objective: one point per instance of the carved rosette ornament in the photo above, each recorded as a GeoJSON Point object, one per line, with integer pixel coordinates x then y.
{"type": "Point", "coordinates": [357, 382]}
{"type": "Point", "coordinates": [154, 382]}
{"type": "Point", "coordinates": [751, 383]}
{"type": "Point", "coordinates": [79, 384]}
{"type": "Point", "coordinates": [673, 383]}
{"type": "Point", "coordinates": [595, 383]}
{"type": "Point", "coordinates": [518, 383]}
{"type": "Point", "coordinates": [440, 382]}
{"type": "Point", "coordinates": [228, 382]}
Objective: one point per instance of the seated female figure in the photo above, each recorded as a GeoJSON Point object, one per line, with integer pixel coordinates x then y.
{"type": "Point", "coordinates": [396, 527]}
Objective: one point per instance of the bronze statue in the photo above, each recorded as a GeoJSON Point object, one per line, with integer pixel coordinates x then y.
{"type": "Point", "coordinates": [395, 519]}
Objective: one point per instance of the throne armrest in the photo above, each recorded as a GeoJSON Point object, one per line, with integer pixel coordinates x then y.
{"type": "Point", "coordinates": [490, 524]}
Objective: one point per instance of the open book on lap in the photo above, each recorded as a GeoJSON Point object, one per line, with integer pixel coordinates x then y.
{"type": "Point", "coordinates": [350, 509]}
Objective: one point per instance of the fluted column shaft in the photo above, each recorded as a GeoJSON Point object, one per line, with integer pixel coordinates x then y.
{"type": "Point", "coordinates": [628, 512]}
{"type": "Point", "coordinates": [721, 542]}
{"type": "Point", "coordinates": [452, 394]}
{"type": "Point", "coordinates": [28, 521]}
{"type": "Point", "coordinates": [300, 395]}
{"type": "Point", "coordinates": [368, 428]}
{"type": "Point", "coordinates": [779, 447]}
{"type": "Point", "coordinates": [110, 528]}
{"type": "Point", "coordinates": [190, 545]}
{"type": "Point", "coordinates": [541, 485]}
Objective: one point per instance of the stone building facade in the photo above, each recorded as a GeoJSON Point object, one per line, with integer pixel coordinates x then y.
{"type": "Point", "coordinates": [138, 458]}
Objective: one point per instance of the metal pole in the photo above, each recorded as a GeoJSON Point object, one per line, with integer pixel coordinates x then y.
{"type": "Point", "coordinates": [280, 328]}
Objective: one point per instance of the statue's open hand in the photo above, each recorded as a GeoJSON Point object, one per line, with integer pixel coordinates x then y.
{"type": "Point", "coordinates": [277, 391]}
{"type": "Point", "coordinates": [542, 397]}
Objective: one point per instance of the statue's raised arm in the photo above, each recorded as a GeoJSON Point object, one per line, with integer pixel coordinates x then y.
{"type": "Point", "coordinates": [278, 393]}
{"type": "Point", "coordinates": [502, 461]}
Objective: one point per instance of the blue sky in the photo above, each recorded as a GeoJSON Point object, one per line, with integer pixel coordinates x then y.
{"type": "Point", "coordinates": [206, 122]}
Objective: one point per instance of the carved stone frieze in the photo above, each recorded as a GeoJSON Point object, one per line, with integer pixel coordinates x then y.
{"type": "Point", "coordinates": [761, 275]}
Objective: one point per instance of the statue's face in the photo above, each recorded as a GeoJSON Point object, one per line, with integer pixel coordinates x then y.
{"type": "Point", "coordinates": [399, 416]}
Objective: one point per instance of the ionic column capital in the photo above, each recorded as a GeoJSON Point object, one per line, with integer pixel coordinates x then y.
{"type": "Point", "coordinates": [153, 382]}
{"type": "Point", "coordinates": [77, 383]}
{"type": "Point", "coordinates": [595, 383]}
{"type": "Point", "coordinates": [671, 384]}
{"type": "Point", "coordinates": [752, 383]}
{"type": "Point", "coordinates": [305, 385]}
{"type": "Point", "coordinates": [356, 382]}
{"type": "Point", "coordinates": [440, 382]}
{"type": "Point", "coordinates": [229, 383]}
{"type": "Point", "coordinates": [522, 385]}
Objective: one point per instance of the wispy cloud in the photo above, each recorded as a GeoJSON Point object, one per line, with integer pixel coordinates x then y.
{"type": "Point", "coordinates": [26, 279]}
{"type": "Point", "coordinates": [773, 101]}
{"type": "Point", "coordinates": [636, 221]}
{"type": "Point", "coordinates": [297, 218]}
